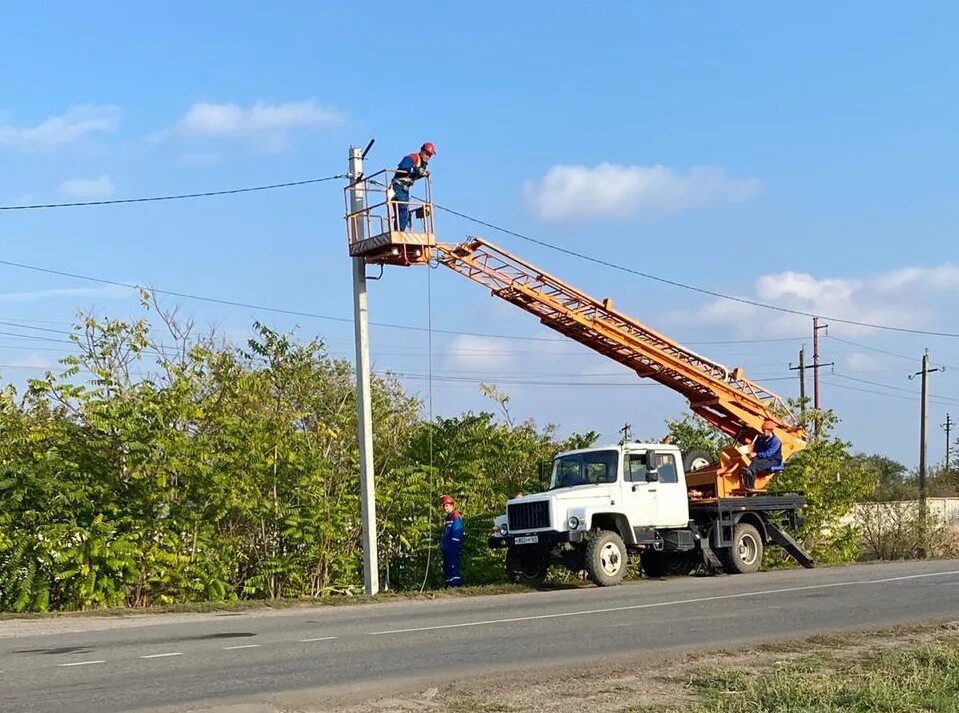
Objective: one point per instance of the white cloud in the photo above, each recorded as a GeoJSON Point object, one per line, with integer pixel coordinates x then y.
{"type": "Point", "coordinates": [33, 361]}
{"type": "Point", "coordinates": [610, 190]}
{"type": "Point", "coordinates": [944, 277]}
{"type": "Point", "coordinates": [862, 362]}
{"type": "Point", "coordinates": [201, 158]}
{"type": "Point", "coordinates": [88, 188]}
{"type": "Point", "coordinates": [109, 291]}
{"type": "Point", "coordinates": [479, 353]}
{"type": "Point", "coordinates": [229, 119]}
{"type": "Point", "coordinates": [899, 298]}
{"type": "Point", "coordinates": [58, 131]}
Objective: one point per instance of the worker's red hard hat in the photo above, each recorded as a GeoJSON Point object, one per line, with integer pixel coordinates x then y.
{"type": "Point", "coordinates": [429, 148]}
{"type": "Point", "coordinates": [446, 500]}
{"type": "Point", "coordinates": [768, 425]}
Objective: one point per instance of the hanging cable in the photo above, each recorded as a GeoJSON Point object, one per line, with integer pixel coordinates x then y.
{"type": "Point", "coordinates": [683, 285]}
{"type": "Point", "coordinates": [429, 405]}
{"type": "Point", "coordinates": [174, 197]}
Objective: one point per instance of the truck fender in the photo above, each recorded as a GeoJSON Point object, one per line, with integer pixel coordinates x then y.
{"type": "Point", "coordinates": [756, 521]}
{"type": "Point", "coordinates": [721, 532]}
{"type": "Point", "coordinates": [611, 520]}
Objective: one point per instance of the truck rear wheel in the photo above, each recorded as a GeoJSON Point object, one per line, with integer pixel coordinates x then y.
{"type": "Point", "coordinates": [666, 564]}
{"type": "Point", "coordinates": [605, 558]}
{"type": "Point", "coordinates": [526, 565]}
{"type": "Point", "coordinates": [746, 553]}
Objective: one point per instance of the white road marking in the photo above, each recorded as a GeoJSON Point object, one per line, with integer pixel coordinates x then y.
{"type": "Point", "coordinates": [81, 663]}
{"type": "Point", "coordinates": [160, 656]}
{"type": "Point", "coordinates": [678, 602]}
{"type": "Point", "coordinates": [242, 646]}
{"type": "Point", "coordinates": [320, 638]}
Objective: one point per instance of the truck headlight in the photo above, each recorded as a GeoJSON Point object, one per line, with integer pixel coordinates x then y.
{"type": "Point", "coordinates": [503, 529]}
{"type": "Point", "coordinates": [573, 523]}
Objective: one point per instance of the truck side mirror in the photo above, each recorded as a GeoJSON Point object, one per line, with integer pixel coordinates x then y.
{"type": "Point", "coordinates": [541, 470]}
{"type": "Point", "coordinates": [652, 476]}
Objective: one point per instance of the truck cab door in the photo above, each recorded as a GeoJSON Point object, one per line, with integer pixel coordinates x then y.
{"type": "Point", "coordinates": [672, 504]}
{"type": "Point", "coordinates": [640, 490]}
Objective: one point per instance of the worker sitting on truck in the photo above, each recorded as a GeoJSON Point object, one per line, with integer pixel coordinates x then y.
{"type": "Point", "coordinates": [409, 170]}
{"type": "Point", "coordinates": [766, 454]}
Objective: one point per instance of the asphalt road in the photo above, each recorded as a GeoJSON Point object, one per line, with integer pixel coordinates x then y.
{"type": "Point", "coordinates": [174, 662]}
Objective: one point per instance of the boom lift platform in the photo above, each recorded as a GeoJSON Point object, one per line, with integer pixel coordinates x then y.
{"type": "Point", "coordinates": [722, 396]}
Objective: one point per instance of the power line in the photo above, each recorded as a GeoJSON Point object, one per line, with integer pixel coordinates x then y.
{"type": "Point", "coordinates": [473, 219]}
{"type": "Point", "coordinates": [314, 315]}
{"type": "Point", "coordinates": [938, 399]}
{"type": "Point", "coordinates": [869, 348]}
{"type": "Point", "coordinates": [175, 197]}
{"type": "Point", "coordinates": [682, 285]}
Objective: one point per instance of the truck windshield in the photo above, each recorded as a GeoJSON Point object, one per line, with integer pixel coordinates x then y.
{"type": "Point", "coordinates": [587, 468]}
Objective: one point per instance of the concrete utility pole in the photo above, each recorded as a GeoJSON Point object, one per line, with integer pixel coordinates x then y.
{"type": "Point", "coordinates": [924, 373]}
{"type": "Point", "coordinates": [816, 364]}
{"type": "Point", "coordinates": [364, 406]}
{"type": "Point", "coordinates": [948, 426]}
{"type": "Point", "coordinates": [802, 376]}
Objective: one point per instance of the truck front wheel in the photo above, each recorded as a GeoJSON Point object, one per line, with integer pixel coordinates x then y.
{"type": "Point", "coordinates": [526, 565]}
{"type": "Point", "coordinates": [746, 553]}
{"type": "Point", "coordinates": [605, 558]}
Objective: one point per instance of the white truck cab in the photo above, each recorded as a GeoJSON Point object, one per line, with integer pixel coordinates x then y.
{"type": "Point", "coordinates": [607, 500]}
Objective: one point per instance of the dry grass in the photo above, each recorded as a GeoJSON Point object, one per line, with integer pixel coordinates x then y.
{"type": "Point", "coordinates": [912, 668]}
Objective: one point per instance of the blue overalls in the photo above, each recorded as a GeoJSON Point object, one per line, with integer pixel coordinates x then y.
{"type": "Point", "coordinates": [409, 169]}
{"type": "Point", "coordinates": [452, 547]}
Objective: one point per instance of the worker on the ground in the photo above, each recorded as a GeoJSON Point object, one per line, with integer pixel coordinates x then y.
{"type": "Point", "coordinates": [451, 545]}
{"type": "Point", "coordinates": [409, 170]}
{"type": "Point", "coordinates": [767, 452]}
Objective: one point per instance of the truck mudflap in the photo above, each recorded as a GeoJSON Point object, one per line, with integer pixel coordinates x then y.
{"type": "Point", "coordinates": [781, 538]}
{"type": "Point", "coordinates": [709, 557]}
{"type": "Point", "coordinates": [539, 539]}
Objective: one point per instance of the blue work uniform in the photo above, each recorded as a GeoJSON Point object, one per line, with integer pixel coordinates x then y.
{"type": "Point", "coordinates": [769, 456]}
{"type": "Point", "coordinates": [452, 547]}
{"type": "Point", "coordinates": [410, 169]}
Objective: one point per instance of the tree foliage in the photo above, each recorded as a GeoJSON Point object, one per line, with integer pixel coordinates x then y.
{"type": "Point", "coordinates": [833, 481]}
{"type": "Point", "coordinates": [158, 469]}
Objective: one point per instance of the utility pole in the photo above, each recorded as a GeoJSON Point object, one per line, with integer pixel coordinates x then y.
{"type": "Point", "coordinates": [924, 373]}
{"type": "Point", "coordinates": [364, 406]}
{"type": "Point", "coordinates": [802, 376]}
{"type": "Point", "coordinates": [816, 365]}
{"type": "Point", "coordinates": [948, 426]}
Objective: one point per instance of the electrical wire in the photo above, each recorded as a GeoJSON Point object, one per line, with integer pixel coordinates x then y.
{"type": "Point", "coordinates": [175, 197]}
{"type": "Point", "coordinates": [326, 317]}
{"type": "Point", "coordinates": [869, 348]}
{"type": "Point", "coordinates": [429, 401]}
{"type": "Point", "coordinates": [682, 285]}
{"type": "Point", "coordinates": [473, 219]}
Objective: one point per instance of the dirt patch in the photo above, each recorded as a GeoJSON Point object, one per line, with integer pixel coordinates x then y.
{"type": "Point", "coordinates": [676, 682]}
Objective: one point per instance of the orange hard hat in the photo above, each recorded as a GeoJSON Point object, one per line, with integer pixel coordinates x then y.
{"type": "Point", "coordinates": [768, 425]}
{"type": "Point", "coordinates": [446, 500]}
{"type": "Point", "coordinates": [429, 148]}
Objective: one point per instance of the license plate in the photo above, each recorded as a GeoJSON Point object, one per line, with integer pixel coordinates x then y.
{"type": "Point", "coordinates": [527, 540]}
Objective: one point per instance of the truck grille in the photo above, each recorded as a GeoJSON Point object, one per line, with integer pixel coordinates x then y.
{"type": "Point", "coordinates": [528, 516]}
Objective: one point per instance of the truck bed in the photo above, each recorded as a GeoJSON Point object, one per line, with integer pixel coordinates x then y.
{"type": "Point", "coordinates": [756, 503]}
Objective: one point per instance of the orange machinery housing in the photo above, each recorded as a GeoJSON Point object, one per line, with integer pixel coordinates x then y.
{"type": "Point", "coordinates": [720, 395]}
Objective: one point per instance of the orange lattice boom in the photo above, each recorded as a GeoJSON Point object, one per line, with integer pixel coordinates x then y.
{"type": "Point", "coordinates": [724, 397]}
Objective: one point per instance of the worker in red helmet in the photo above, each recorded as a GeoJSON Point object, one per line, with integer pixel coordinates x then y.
{"type": "Point", "coordinates": [451, 544]}
{"type": "Point", "coordinates": [767, 454]}
{"type": "Point", "coordinates": [410, 169]}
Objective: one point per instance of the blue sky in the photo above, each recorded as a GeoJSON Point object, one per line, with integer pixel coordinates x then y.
{"type": "Point", "coordinates": [805, 157]}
